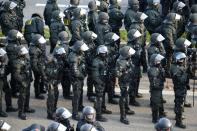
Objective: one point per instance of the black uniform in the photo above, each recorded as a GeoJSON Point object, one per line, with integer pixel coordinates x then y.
{"type": "Point", "coordinates": [49, 8]}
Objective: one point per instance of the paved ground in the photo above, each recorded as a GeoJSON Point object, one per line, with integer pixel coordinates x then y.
{"type": "Point", "coordinates": [141, 121]}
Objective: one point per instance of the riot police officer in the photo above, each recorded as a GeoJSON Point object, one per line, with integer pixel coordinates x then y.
{"type": "Point", "coordinates": [56, 27]}
{"type": "Point", "coordinates": [115, 16]}
{"type": "Point", "coordinates": [156, 78]}
{"type": "Point", "coordinates": [37, 60]}
{"type": "Point", "coordinates": [154, 19]}
{"type": "Point", "coordinates": [48, 10]}
{"type": "Point", "coordinates": [55, 126]}
{"type": "Point", "coordinates": [138, 23]}
{"type": "Point", "coordinates": [124, 69]}
{"type": "Point", "coordinates": [87, 127]}
{"type": "Point", "coordinates": [102, 27]}
{"type": "Point", "coordinates": [89, 117]}
{"type": "Point", "coordinates": [35, 127]}
{"type": "Point", "coordinates": [68, 12]}
{"type": "Point", "coordinates": [164, 124]}
{"type": "Point", "coordinates": [14, 41]}
{"type": "Point", "coordinates": [133, 8]}
{"type": "Point", "coordinates": [22, 73]}
{"type": "Point", "coordinates": [77, 28]}
{"type": "Point", "coordinates": [192, 23]}
{"type": "Point", "coordinates": [156, 45]}
{"type": "Point", "coordinates": [89, 38]}
{"type": "Point", "coordinates": [103, 7]}
{"type": "Point", "coordinates": [179, 79]}
{"type": "Point", "coordinates": [178, 7]}
{"type": "Point", "coordinates": [134, 41]}
{"type": "Point", "coordinates": [19, 11]}
{"type": "Point", "coordinates": [8, 18]}
{"type": "Point", "coordinates": [2, 79]}
{"type": "Point", "coordinates": [77, 74]}
{"type": "Point", "coordinates": [35, 25]}
{"type": "Point", "coordinates": [111, 41]}
{"type": "Point", "coordinates": [168, 31]}
{"type": "Point", "coordinates": [92, 15]}
{"type": "Point", "coordinates": [4, 85]}
{"type": "Point", "coordinates": [53, 74]}
{"type": "Point", "coordinates": [99, 74]}
{"type": "Point", "coordinates": [64, 39]}
{"type": "Point", "coordinates": [62, 116]}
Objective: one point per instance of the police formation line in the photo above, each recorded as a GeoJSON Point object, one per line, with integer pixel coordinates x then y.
{"type": "Point", "coordinates": [87, 44]}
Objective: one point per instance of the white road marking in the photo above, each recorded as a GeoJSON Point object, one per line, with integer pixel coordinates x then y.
{"type": "Point", "coordinates": [60, 5]}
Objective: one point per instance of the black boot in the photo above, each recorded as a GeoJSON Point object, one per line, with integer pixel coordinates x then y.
{"type": "Point", "coordinates": [123, 118]}
{"type": "Point", "coordinates": [133, 102]}
{"type": "Point", "coordinates": [3, 114]}
{"type": "Point", "coordinates": [101, 118]}
{"type": "Point", "coordinates": [106, 111]}
{"type": "Point", "coordinates": [22, 116]}
{"type": "Point", "coordinates": [29, 110]}
{"type": "Point", "coordinates": [179, 122]}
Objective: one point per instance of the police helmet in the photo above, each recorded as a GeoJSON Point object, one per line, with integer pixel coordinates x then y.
{"type": "Point", "coordinates": [92, 5]}
{"type": "Point", "coordinates": [38, 39]}
{"type": "Point", "coordinates": [126, 52]}
{"type": "Point", "coordinates": [79, 46]}
{"type": "Point", "coordinates": [103, 17]}
{"type": "Point", "coordinates": [14, 35]}
{"type": "Point", "coordinates": [57, 15]}
{"type": "Point", "coordinates": [172, 18]}
{"type": "Point", "coordinates": [110, 38]}
{"type": "Point", "coordinates": [4, 126]}
{"type": "Point", "coordinates": [89, 114]}
{"type": "Point", "coordinates": [182, 44]}
{"type": "Point", "coordinates": [64, 36]}
{"type": "Point", "coordinates": [193, 18]}
{"type": "Point", "coordinates": [35, 127]}
{"type": "Point", "coordinates": [164, 124]}
{"type": "Point", "coordinates": [2, 52]}
{"type": "Point", "coordinates": [55, 126]}
{"type": "Point", "coordinates": [156, 37]}
{"type": "Point", "coordinates": [156, 59]}
{"type": "Point", "coordinates": [133, 34]}
{"type": "Point", "coordinates": [62, 113]}
{"type": "Point", "coordinates": [102, 49]}
{"type": "Point", "coordinates": [178, 5]}
{"type": "Point", "coordinates": [9, 5]}
{"type": "Point", "coordinates": [74, 2]}
{"type": "Point", "coordinates": [88, 127]}
{"type": "Point", "coordinates": [88, 36]}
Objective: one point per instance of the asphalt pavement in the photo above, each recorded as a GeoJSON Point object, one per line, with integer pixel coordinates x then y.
{"type": "Point", "coordinates": [141, 121]}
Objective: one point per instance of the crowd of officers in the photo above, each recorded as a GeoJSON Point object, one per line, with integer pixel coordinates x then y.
{"type": "Point", "coordinates": [87, 44]}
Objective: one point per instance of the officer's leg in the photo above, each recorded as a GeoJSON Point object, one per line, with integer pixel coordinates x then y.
{"type": "Point", "coordinates": [53, 44]}
{"type": "Point", "coordinates": [99, 88]}
{"type": "Point", "coordinates": [132, 92]}
{"type": "Point", "coordinates": [104, 108]}
{"type": "Point", "coordinates": [155, 96]}
{"type": "Point", "coordinates": [37, 85]}
{"type": "Point", "coordinates": [56, 94]}
{"type": "Point", "coordinates": [110, 87]}
{"type": "Point", "coordinates": [144, 60]}
{"type": "Point", "coordinates": [122, 103]}
{"type": "Point", "coordinates": [8, 97]}
{"type": "Point", "coordinates": [27, 108]}
{"type": "Point", "coordinates": [81, 96]}
{"type": "Point", "coordinates": [50, 102]}
{"type": "Point", "coordinates": [2, 113]}
{"type": "Point", "coordinates": [14, 86]}
{"type": "Point", "coordinates": [21, 102]}
{"type": "Point", "coordinates": [90, 86]}
{"type": "Point", "coordinates": [66, 85]}
{"type": "Point", "coordinates": [162, 113]}
{"type": "Point", "coordinates": [179, 99]}
{"type": "Point", "coordinates": [186, 104]}
{"type": "Point", "coordinates": [137, 94]}
{"type": "Point", "coordinates": [41, 85]}
{"type": "Point", "coordinates": [75, 101]}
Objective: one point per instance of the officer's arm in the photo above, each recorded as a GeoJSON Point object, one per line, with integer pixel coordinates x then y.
{"type": "Point", "coordinates": [76, 29]}
{"type": "Point", "coordinates": [17, 72]}
{"type": "Point", "coordinates": [40, 26]}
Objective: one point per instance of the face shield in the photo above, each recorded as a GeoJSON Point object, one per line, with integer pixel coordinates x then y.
{"type": "Point", "coordinates": [84, 47]}
{"type": "Point", "coordinates": [93, 36]}
{"type": "Point", "coordinates": [158, 59]}
{"type": "Point", "coordinates": [2, 52]}
{"type": "Point", "coordinates": [131, 52]}
{"type": "Point", "coordinates": [12, 5]}
{"type": "Point", "coordinates": [115, 37]}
